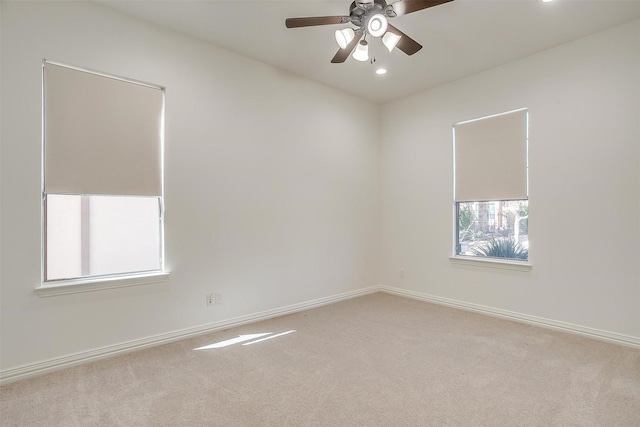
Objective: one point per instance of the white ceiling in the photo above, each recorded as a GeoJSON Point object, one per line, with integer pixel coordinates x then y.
{"type": "Point", "coordinates": [459, 38]}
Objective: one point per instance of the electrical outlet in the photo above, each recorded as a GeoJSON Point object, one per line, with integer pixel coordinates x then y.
{"type": "Point", "coordinates": [402, 273]}
{"type": "Point", "coordinates": [218, 298]}
{"type": "Point", "coordinates": [211, 299]}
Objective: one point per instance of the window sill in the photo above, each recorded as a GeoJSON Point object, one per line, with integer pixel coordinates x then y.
{"type": "Point", "coordinates": [65, 287]}
{"type": "Point", "coordinates": [491, 263]}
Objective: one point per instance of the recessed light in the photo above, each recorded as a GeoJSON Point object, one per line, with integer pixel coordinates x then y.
{"type": "Point", "coordinates": [546, 1]}
{"type": "Point", "coordinates": [381, 71]}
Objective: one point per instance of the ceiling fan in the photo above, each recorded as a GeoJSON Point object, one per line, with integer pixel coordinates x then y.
{"type": "Point", "coordinates": [370, 18]}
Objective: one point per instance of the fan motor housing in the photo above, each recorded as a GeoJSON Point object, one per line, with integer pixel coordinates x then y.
{"type": "Point", "coordinates": [359, 12]}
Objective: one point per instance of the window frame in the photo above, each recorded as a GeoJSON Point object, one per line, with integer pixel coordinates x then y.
{"type": "Point", "coordinates": [479, 261]}
{"type": "Point", "coordinates": [53, 287]}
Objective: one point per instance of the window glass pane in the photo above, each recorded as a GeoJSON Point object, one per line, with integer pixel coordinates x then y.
{"type": "Point", "coordinates": [101, 235]}
{"type": "Point", "coordinates": [493, 229]}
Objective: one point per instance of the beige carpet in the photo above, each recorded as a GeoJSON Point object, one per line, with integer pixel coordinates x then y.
{"type": "Point", "coordinates": [377, 360]}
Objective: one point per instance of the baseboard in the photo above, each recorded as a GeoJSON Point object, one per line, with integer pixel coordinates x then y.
{"type": "Point", "coordinates": [612, 337]}
{"type": "Point", "coordinates": [35, 369]}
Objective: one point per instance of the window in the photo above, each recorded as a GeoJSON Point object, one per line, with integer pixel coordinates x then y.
{"type": "Point", "coordinates": [102, 176]}
{"type": "Point", "coordinates": [491, 198]}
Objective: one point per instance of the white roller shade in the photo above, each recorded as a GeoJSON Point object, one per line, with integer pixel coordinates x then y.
{"type": "Point", "coordinates": [102, 135]}
{"type": "Point", "coordinates": [491, 158]}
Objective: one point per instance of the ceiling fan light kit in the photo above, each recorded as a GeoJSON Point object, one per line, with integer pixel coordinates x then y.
{"type": "Point", "coordinates": [362, 51]}
{"type": "Point", "coordinates": [370, 17]}
{"type": "Point", "coordinates": [390, 40]}
{"type": "Point", "coordinates": [377, 25]}
{"type": "Point", "coordinates": [344, 37]}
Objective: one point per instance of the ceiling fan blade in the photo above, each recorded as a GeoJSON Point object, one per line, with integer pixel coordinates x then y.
{"type": "Point", "coordinates": [406, 43]}
{"type": "Point", "coordinates": [403, 7]}
{"type": "Point", "coordinates": [343, 54]}
{"type": "Point", "coordinates": [316, 20]}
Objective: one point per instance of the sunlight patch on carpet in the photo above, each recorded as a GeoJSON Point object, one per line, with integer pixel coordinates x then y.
{"type": "Point", "coordinates": [268, 338]}
{"type": "Point", "coordinates": [252, 338]}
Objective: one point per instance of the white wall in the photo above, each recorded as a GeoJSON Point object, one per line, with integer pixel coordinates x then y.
{"type": "Point", "coordinates": [584, 225]}
{"type": "Point", "coordinates": [271, 184]}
